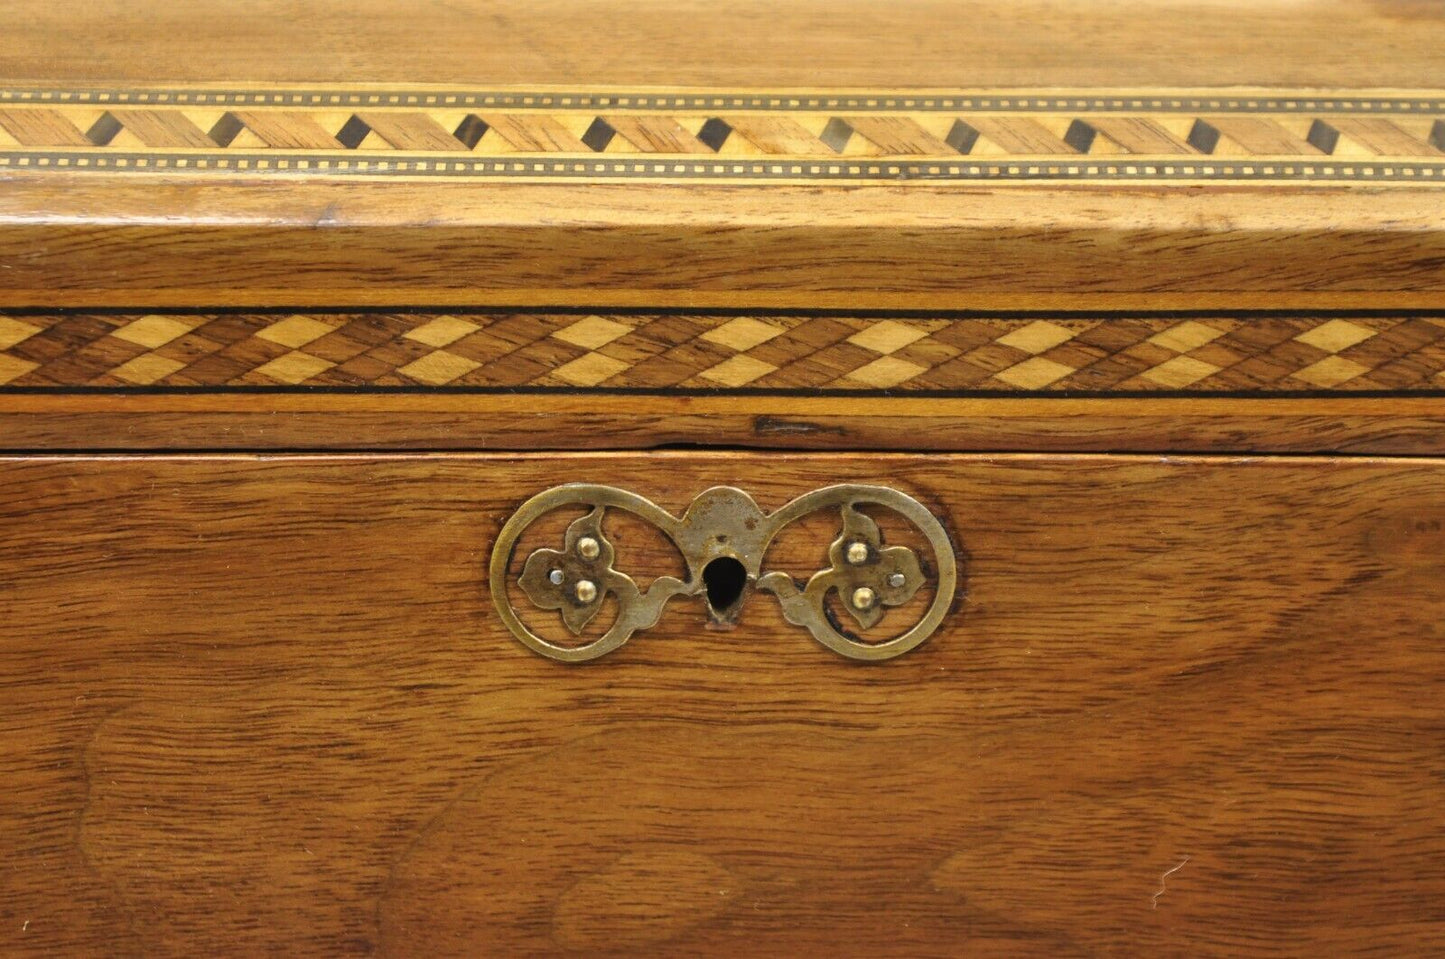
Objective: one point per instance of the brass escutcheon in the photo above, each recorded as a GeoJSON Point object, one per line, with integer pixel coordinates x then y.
{"type": "Point", "coordinates": [724, 525]}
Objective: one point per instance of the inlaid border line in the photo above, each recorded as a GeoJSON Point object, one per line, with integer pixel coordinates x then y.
{"type": "Point", "coordinates": [910, 101]}
{"type": "Point", "coordinates": [583, 168]}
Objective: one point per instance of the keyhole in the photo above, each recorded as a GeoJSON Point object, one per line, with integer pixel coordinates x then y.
{"type": "Point", "coordinates": [725, 579]}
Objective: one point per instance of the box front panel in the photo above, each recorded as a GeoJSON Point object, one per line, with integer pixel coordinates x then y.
{"type": "Point", "coordinates": [271, 703]}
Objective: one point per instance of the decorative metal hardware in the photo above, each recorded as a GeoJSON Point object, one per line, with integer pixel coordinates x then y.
{"type": "Point", "coordinates": [724, 526]}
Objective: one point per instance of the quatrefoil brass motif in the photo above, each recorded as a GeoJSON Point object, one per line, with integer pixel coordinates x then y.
{"type": "Point", "coordinates": [724, 527]}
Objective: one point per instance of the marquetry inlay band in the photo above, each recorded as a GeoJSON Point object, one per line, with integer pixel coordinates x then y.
{"type": "Point", "coordinates": [746, 136]}
{"type": "Point", "coordinates": [1206, 353]}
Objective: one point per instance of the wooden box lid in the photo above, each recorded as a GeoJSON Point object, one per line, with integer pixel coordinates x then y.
{"type": "Point", "coordinates": [564, 224]}
{"type": "Point", "coordinates": [931, 154]}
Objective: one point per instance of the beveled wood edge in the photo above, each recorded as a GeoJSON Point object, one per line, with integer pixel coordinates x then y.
{"type": "Point", "coordinates": [149, 242]}
{"type": "Point", "coordinates": [471, 422]}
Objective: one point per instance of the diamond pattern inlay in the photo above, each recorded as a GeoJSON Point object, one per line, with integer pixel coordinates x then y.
{"type": "Point", "coordinates": [1180, 372]}
{"type": "Point", "coordinates": [589, 370]}
{"type": "Point", "coordinates": [1034, 373]}
{"type": "Point", "coordinates": [887, 336]}
{"type": "Point", "coordinates": [294, 367]}
{"type": "Point", "coordinates": [592, 332]}
{"type": "Point", "coordinates": [439, 368]}
{"type": "Point", "coordinates": [147, 368]}
{"type": "Point", "coordinates": [886, 372]}
{"type": "Point", "coordinates": [442, 331]}
{"type": "Point", "coordinates": [738, 371]}
{"type": "Point", "coordinates": [1037, 337]}
{"type": "Point", "coordinates": [12, 368]}
{"type": "Point", "coordinates": [1186, 336]}
{"type": "Point", "coordinates": [295, 331]}
{"type": "Point", "coordinates": [1255, 353]}
{"type": "Point", "coordinates": [153, 331]}
{"type": "Point", "coordinates": [13, 332]}
{"type": "Point", "coordinates": [1331, 371]}
{"type": "Point", "coordinates": [1336, 335]}
{"type": "Point", "coordinates": [742, 334]}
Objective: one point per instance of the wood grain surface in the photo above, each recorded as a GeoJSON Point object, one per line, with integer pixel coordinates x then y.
{"type": "Point", "coordinates": [1389, 425]}
{"type": "Point", "coordinates": [920, 43]}
{"type": "Point", "coordinates": [1186, 706]}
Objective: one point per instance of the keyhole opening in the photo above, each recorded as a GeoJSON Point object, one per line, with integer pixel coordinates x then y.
{"type": "Point", "coordinates": [725, 579]}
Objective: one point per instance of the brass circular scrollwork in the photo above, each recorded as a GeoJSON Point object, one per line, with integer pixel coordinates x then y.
{"type": "Point", "coordinates": [866, 576]}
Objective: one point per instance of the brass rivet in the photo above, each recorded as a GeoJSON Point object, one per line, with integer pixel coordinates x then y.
{"type": "Point", "coordinates": [586, 591]}
{"type": "Point", "coordinates": [589, 548]}
{"type": "Point", "coordinates": [863, 597]}
{"type": "Point", "coordinates": [897, 580]}
{"type": "Point", "coordinates": [555, 577]}
{"type": "Point", "coordinates": [857, 553]}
